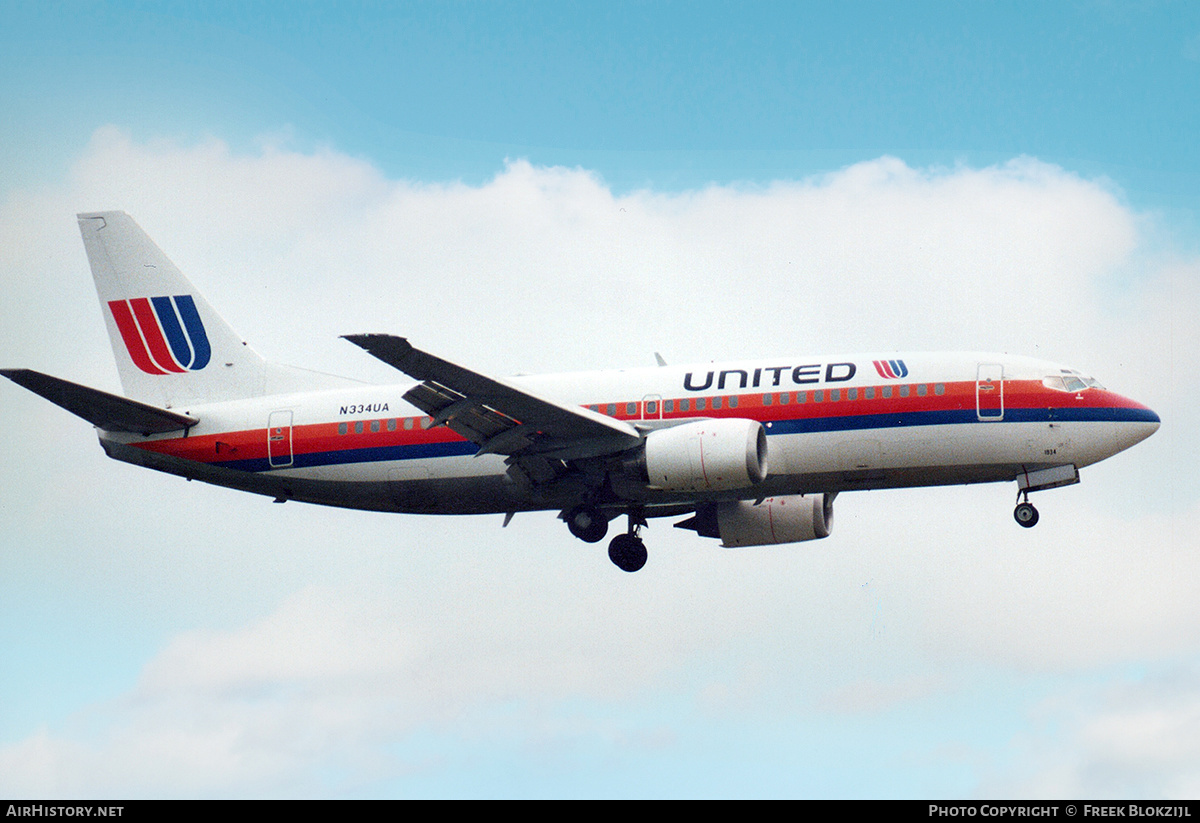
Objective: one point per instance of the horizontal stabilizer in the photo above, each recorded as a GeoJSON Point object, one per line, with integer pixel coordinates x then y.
{"type": "Point", "coordinates": [108, 411]}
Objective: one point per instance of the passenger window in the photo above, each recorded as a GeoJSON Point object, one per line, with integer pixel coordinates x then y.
{"type": "Point", "coordinates": [887, 391]}
{"type": "Point", "coordinates": [699, 404]}
{"type": "Point", "coordinates": [818, 396]}
{"type": "Point", "coordinates": [668, 406]}
{"type": "Point", "coordinates": [408, 422]}
{"type": "Point", "coordinates": [358, 427]}
{"type": "Point", "coordinates": [768, 399]}
{"type": "Point", "coordinates": [939, 388]}
{"type": "Point", "coordinates": [374, 425]}
{"type": "Point", "coordinates": [685, 405]}
{"type": "Point", "coordinates": [869, 392]}
{"type": "Point", "coordinates": [851, 394]}
{"type": "Point", "coordinates": [341, 428]}
{"type": "Point", "coordinates": [716, 403]}
{"type": "Point", "coordinates": [922, 390]}
{"type": "Point", "coordinates": [904, 391]}
{"type": "Point", "coordinates": [733, 401]}
{"type": "Point", "coordinates": [631, 409]}
{"type": "Point", "coordinates": [835, 395]}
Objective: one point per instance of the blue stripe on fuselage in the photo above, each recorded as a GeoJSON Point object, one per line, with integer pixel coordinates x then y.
{"type": "Point", "coordinates": [893, 420]}
{"type": "Point", "coordinates": [803, 425]}
{"type": "Point", "coordinates": [372, 454]}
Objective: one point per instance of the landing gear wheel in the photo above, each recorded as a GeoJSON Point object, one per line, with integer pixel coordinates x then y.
{"type": "Point", "coordinates": [628, 552]}
{"type": "Point", "coordinates": [1026, 515]}
{"type": "Point", "coordinates": [587, 524]}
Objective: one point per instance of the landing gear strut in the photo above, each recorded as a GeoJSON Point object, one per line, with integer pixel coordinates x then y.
{"type": "Point", "coordinates": [1025, 514]}
{"type": "Point", "coordinates": [627, 550]}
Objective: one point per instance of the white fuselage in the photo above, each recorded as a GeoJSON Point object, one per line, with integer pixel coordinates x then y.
{"type": "Point", "coordinates": [832, 423]}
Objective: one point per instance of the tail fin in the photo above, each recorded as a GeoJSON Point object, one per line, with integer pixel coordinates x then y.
{"type": "Point", "coordinates": [172, 348]}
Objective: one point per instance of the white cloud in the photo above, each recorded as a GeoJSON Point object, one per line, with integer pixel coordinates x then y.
{"type": "Point", "coordinates": [1136, 738]}
{"type": "Point", "coordinates": [878, 255]}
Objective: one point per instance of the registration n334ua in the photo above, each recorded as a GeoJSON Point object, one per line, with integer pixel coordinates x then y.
{"type": "Point", "coordinates": [749, 452]}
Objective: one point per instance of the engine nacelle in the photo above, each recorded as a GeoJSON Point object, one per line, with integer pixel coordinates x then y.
{"type": "Point", "coordinates": [708, 455]}
{"type": "Point", "coordinates": [787, 519]}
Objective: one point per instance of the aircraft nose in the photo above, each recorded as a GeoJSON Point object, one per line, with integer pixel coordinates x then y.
{"type": "Point", "coordinates": [1141, 422]}
{"type": "Point", "coordinates": [1151, 423]}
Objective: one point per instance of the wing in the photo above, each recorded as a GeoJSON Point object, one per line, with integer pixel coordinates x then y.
{"type": "Point", "coordinates": [497, 416]}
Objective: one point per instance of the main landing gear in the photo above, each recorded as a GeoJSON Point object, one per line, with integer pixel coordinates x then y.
{"type": "Point", "coordinates": [1025, 514]}
{"type": "Point", "coordinates": [586, 523]}
{"type": "Point", "coordinates": [627, 550]}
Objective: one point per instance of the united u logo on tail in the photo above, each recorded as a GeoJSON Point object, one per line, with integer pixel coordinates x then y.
{"type": "Point", "coordinates": [164, 335]}
{"type": "Point", "coordinates": [891, 369]}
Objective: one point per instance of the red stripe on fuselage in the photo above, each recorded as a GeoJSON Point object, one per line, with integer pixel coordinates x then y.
{"type": "Point", "coordinates": [316, 438]}
{"type": "Point", "coordinates": [960, 396]}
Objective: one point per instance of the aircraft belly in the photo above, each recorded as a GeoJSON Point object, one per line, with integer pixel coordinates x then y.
{"type": "Point", "coordinates": [378, 471]}
{"type": "Point", "coordinates": [425, 489]}
{"type": "Point", "coordinates": [919, 455]}
{"type": "Point", "coordinates": [798, 463]}
{"type": "Point", "coordinates": [916, 447]}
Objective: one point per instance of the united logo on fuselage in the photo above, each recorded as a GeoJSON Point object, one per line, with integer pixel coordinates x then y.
{"type": "Point", "coordinates": [891, 369]}
{"type": "Point", "coordinates": [771, 376]}
{"type": "Point", "coordinates": [164, 335]}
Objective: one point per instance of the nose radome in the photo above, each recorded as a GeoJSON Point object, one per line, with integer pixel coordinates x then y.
{"type": "Point", "coordinates": [1143, 422]}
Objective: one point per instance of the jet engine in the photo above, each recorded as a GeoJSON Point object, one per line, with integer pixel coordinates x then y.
{"type": "Point", "coordinates": [787, 519]}
{"type": "Point", "coordinates": [708, 455]}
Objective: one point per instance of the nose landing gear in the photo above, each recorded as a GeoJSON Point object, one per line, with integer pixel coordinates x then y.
{"type": "Point", "coordinates": [1037, 480]}
{"type": "Point", "coordinates": [1025, 514]}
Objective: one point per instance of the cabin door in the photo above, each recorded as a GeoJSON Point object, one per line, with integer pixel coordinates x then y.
{"type": "Point", "coordinates": [279, 439]}
{"type": "Point", "coordinates": [989, 391]}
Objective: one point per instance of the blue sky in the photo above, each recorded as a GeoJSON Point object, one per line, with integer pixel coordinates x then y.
{"type": "Point", "coordinates": [1010, 176]}
{"type": "Point", "coordinates": [660, 93]}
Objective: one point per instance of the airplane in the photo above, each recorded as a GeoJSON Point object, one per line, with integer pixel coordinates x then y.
{"type": "Point", "coordinates": [751, 452]}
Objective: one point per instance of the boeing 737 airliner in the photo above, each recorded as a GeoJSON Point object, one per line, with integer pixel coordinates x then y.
{"type": "Point", "coordinates": [751, 452]}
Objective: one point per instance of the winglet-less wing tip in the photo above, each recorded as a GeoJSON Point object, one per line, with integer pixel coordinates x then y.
{"type": "Point", "coordinates": [395, 351]}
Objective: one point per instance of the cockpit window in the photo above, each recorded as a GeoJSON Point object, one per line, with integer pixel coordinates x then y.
{"type": "Point", "coordinates": [1071, 381]}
